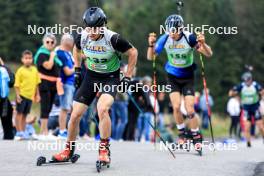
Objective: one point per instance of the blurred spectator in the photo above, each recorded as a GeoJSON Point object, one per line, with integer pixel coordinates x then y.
{"type": "Point", "coordinates": [144, 118]}
{"type": "Point", "coordinates": [162, 106]}
{"type": "Point", "coordinates": [48, 67]}
{"type": "Point", "coordinates": [261, 107]}
{"type": "Point", "coordinates": [30, 130]}
{"type": "Point", "coordinates": [6, 81]}
{"type": "Point", "coordinates": [233, 109]}
{"type": "Point", "coordinates": [203, 106]}
{"type": "Point", "coordinates": [87, 117]}
{"type": "Point", "coordinates": [119, 114]}
{"type": "Point", "coordinates": [132, 109]}
{"type": "Point", "coordinates": [155, 115]}
{"type": "Point", "coordinates": [67, 78]}
{"type": "Point", "coordinates": [53, 120]}
{"type": "Point", "coordinates": [197, 107]}
{"type": "Point", "coordinates": [26, 86]}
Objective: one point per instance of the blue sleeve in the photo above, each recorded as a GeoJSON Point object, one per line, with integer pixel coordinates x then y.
{"type": "Point", "coordinates": [62, 57]}
{"type": "Point", "coordinates": [211, 101]}
{"type": "Point", "coordinates": [258, 87]}
{"type": "Point", "coordinates": [192, 40]}
{"type": "Point", "coordinates": [238, 88]}
{"type": "Point", "coordinates": [160, 43]}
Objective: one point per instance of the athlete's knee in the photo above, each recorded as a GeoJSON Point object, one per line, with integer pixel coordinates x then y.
{"type": "Point", "coordinates": [176, 108]}
{"type": "Point", "coordinates": [189, 108]}
{"type": "Point", "coordinates": [103, 110]}
{"type": "Point", "coordinates": [190, 115]}
{"type": "Point", "coordinates": [75, 117]}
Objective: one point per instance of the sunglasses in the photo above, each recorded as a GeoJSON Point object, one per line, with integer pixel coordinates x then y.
{"type": "Point", "coordinates": [50, 42]}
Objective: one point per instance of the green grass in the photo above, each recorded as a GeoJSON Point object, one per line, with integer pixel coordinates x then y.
{"type": "Point", "coordinates": [220, 127]}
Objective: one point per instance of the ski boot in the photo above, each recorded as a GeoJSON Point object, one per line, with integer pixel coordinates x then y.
{"type": "Point", "coordinates": [183, 139]}
{"type": "Point", "coordinates": [197, 140]}
{"type": "Point", "coordinates": [64, 156]}
{"type": "Point", "coordinates": [104, 155]}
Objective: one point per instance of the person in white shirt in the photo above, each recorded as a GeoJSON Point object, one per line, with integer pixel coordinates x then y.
{"type": "Point", "coordinates": [261, 107]}
{"type": "Point", "coordinates": [233, 109]}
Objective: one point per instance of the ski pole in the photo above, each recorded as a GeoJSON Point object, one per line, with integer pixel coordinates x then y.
{"type": "Point", "coordinates": [158, 134]}
{"type": "Point", "coordinates": [155, 98]}
{"type": "Point", "coordinates": [206, 97]}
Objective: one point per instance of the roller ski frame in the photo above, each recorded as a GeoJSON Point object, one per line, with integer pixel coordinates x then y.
{"type": "Point", "coordinates": [42, 160]}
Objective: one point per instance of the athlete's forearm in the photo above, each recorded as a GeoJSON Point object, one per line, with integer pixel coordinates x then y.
{"type": "Point", "coordinates": [77, 57]}
{"type": "Point", "coordinates": [132, 61]}
{"type": "Point", "coordinates": [150, 53]}
{"type": "Point", "coordinates": [207, 51]}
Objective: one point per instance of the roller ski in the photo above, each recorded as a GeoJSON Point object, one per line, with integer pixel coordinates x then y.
{"type": "Point", "coordinates": [197, 140]}
{"type": "Point", "coordinates": [104, 155]}
{"type": "Point", "coordinates": [63, 157]}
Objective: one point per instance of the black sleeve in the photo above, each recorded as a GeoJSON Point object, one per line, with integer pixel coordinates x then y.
{"type": "Point", "coordinates": [120, 44]}
{"type": "Point", "coordinates": [42, 58]}
{"type": "Point", "coordinates": [77, 41]}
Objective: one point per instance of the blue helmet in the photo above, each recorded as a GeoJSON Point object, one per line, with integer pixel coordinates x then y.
{"type": "Point", "coordinates": [174, 21]}
{"type": "Point", "coordinates": [246, 76]}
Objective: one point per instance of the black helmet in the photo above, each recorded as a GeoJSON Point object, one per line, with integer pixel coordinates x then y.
{"type": "Point", "coordinates": [94, 17]}
{"type": "Point", "coordinates": [247, 76]}
{"type": "Point", "coordinates": [174, 21]}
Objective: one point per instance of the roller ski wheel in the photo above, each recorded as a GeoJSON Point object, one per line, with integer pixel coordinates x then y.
{"type": "Point", "coordinates": [41, 160]}
{"type": "Point", "coordinates": [101, 164]}
{"type": "Point", "coordinates": [75, 158]}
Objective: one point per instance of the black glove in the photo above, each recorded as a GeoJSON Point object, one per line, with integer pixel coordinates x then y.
{"type": "Point", "coordinates": [77, 77]}
{"type": "Point", "coordinates": [125, 83]}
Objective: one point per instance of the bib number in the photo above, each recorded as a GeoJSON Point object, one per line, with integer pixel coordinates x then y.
{"type": "Point", "coordinates": [248, 100]}
{"type": "Point", "coordinates": [179, 59]}
{"type": "Point", "coordinates": [97, 60]}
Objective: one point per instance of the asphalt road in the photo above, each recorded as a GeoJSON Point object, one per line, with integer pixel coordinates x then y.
{"type": "Point", "coordinates": [133, 159]}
